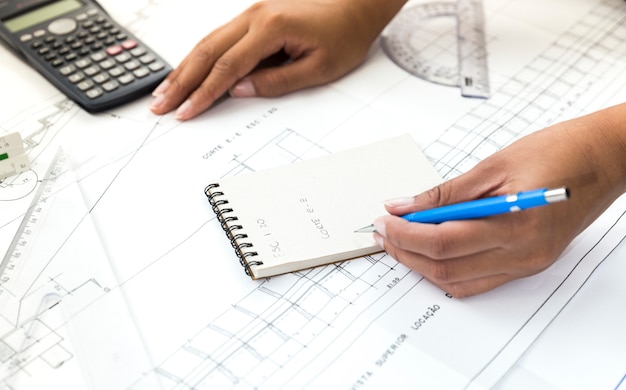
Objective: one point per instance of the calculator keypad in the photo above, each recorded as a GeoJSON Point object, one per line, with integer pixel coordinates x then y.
{"type": "Point", "coordinates": [93, 53]}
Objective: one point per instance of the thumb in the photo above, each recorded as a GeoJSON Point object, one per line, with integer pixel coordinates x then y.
{"type": "Point", "coordinates": [280, 79]}
{"type": "Point", "coordinates": [468, 186]}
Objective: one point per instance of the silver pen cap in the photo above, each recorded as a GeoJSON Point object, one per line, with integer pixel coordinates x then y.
{"type": "Point", "coordinates": [556, 195]}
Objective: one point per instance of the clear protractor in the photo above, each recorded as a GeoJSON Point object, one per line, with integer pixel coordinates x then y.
{"type": "Point", "coordinates": [422, 40]}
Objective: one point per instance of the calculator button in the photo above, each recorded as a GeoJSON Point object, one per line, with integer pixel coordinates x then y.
{"type": "Point", "coordinates": [126, 79]}
{"type": "Point", "coordinates": [90, 71]}
{"type": "Point", "coordinates": [57, 62]}
{"type": "Point", "coordinates": [76, 77]}
{"type": "Point", "coordinates": [110, 85]}
{"type": "Point", "coordinates": [107, 64]}
{"type": "Point", "coordinates": [117, 71]}
{"type": "Point", "coordinates": [148, 58]}
{"type": "Point", "coordinates": [26, 37]}
{"type": "Point", "coordinates": [83, 63]}
{"type": "Point", "coordinates": [94, 93]}
{"type": "Point", "coordinates": [67, 69]}
{"type": "Point", "coordinates": [99, 56]}
{"type": "Point", "coordinates": [156, 66]}
{"type": "Point", "coordinates": [132, 64]}
{"type": "Point", "coordinates": [101, 78]}
{"type": "Point", "coordinates": [123, 57]}
{"type": "Point", "coordinates": [114, 50]}
{"type": "Point", "coordinates": [141, 72]}
{"type": "Point", "coordinates": [71, 57]}
{"type": "Point", "coordinates": [138, 51]}
{"type": "Point", "coordinates": [62, 26]}
{"type": "Point", "coordinates": [39, 33]}
{"type": "Point", "coordinates": [85, 85]}
{"type": "Point", "coordinates": [129, 44]}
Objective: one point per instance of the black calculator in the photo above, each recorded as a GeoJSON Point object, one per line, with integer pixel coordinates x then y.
{"type": "Point", "coordinates": [80, 49]}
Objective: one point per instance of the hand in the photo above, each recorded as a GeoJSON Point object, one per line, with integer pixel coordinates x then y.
{"type": "Point", "coordinates": [322, 40]}
{"type": "Point", "coordinates": [469, 257]}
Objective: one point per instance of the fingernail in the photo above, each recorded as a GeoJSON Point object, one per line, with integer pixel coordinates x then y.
{"type": "Point", "coordinates": [395, 202]}
{"type": "Point", "coordinates": [244, 88]}
{"type": "Point", "coordinates": [183, 109]}
{"type": "Point", "coordinates": [161, 88]}
{"type": "Point", "coordinates": [157, 101]}
{"type": "Point", "coordinates": [379, 224]}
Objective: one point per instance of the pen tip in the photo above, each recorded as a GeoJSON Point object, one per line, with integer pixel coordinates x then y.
{"type": "Point", "coordinates": [366, 229]}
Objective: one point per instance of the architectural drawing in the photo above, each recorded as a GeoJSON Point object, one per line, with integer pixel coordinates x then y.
{"type": "Point", "coordinates": [162, 300]}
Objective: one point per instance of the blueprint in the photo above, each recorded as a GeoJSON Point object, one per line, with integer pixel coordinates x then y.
{"type": "Point", "coordinates": [130, 283]}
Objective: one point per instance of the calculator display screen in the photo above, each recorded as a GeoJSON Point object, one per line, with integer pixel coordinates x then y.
{"type": "Point", "coordinates": [41, 14]}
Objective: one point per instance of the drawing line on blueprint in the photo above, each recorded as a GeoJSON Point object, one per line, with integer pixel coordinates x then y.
{"type": "Point", "coordinates": [621, 382]}
{"type": "Point", "coordinates": [294, 321]}
{"type": "Point", "coordinates": [280, 145]}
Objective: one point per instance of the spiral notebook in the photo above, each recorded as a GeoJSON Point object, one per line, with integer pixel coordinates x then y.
{"type": "Point", "coordinates": [303, 215]}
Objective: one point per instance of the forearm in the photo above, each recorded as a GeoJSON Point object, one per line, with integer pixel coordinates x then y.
{"type": "Point", "coordinates": [601, 140]}
{"type": "Point", "coordinates": [375, 14]}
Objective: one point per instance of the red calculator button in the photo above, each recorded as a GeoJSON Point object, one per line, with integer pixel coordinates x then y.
{"type": "Point", "coordinates": [129, 44]}
{"type": "Point", "coordinates": [114, 50]}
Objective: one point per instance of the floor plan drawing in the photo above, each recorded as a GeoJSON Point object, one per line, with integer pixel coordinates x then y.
{"type": "Point", "coordinates": [129, 271]}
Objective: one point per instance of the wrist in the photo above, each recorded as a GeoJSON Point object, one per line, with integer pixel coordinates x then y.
{"type": "Point", "coordinates": [374, 15]}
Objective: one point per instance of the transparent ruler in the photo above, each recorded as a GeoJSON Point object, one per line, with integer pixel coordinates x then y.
{"type": "Point", "coordinates": [419, 41]}
{"type": "Point", "coordinates": [16, 255]}
{"type": "Point", "coordinates": [60, 299]}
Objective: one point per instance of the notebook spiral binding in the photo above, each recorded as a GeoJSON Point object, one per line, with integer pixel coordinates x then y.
{"type": "Point", "coordinates": [223, 213]}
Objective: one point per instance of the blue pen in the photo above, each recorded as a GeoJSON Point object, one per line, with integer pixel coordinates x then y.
{"type": "Point", "coordinates": [484, 207]}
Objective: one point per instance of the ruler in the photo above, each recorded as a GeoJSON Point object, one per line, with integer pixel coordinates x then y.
{"type": "Point", "coordinates": [16, 255]}
{"type": "Point", "coordinates": [416, 41]}
{"type": "Point", "coordinates": [13, 159]}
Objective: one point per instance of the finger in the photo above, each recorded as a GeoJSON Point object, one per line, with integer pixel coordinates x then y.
{"type": "Point", "coordinates": [477, 183]}
{"type": "Point", "coordinates": [442, 241]}
{"type": "Point", "coordinates": [239, 60]}
{"type": "Point", "coordinates": [283, 79]}
{"type": "Point", "coordinates": [195, 68]}
{"type": "Point", "coordinates": [472, 287]}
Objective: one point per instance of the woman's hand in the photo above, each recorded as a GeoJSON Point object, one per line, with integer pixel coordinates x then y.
{"type": "Point", "coordinates": [305, 43]}
{"type": "Point", "coordinates": [588, 155]}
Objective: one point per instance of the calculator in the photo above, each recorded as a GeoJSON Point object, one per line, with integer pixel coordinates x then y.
{"type": "Point", "coordinates": [81, 50]}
